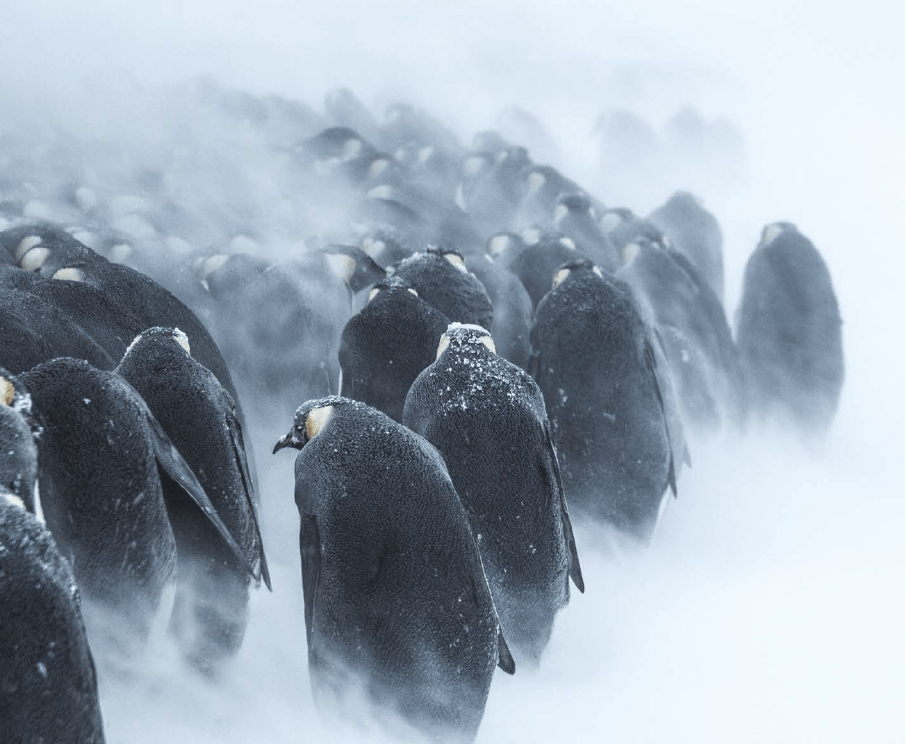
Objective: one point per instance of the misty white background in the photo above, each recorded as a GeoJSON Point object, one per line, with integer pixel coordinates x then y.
{"type": "Point", "coordinates": [771, 608]}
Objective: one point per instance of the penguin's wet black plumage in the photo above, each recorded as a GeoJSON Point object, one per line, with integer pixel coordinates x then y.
{"type": "Point", "coordinates": [395, 595]}
{"type": "Point", "coordinates": [387, 344]}
{"type": "Point", "coordinates": [199, 417]}
{"type": "Point", "coordinates": [48, 684]}
{"type": "Point", "coordinates": [789, 332]}
{"type": "Point", "coordinates": [609, 397]}
{"type": "Point", "coordinates": [487, 418]}
{"type": "Point", "coordinates": [109, 476]}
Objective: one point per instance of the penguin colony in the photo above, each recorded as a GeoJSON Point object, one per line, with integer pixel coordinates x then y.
{"type": "Point", "coordinates": [472, 353]}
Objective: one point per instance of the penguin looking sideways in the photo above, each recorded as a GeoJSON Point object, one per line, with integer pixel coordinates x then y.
{"type": "Point", "coordinates": [396, 598]}
{"type": "Point", "coordinates": [199, 417]}
{"type": "Point", "coordinates": [486, 416]}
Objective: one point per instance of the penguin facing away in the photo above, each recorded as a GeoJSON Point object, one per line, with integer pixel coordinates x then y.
{"type": "Point", "coordinates": [441, 279]}
{"type": "Point", "coordinates": [789, 332]}
{"type": "Point", "coordinates": [486, 416]}
{"type": "Point", "coordinates": [386, 344]}
{"type": "Point", "coordinates": [396, 599]}
{"type": "Point", "coordinates": [610, 399]}
{"type": "Point", "coordinates": [109, 477]}
{"type": "Point", "coordinates": [48, 684]}
{"type": "Point", "coordinates": [133, 294]}
{"type": "Point", "coordinates": [199, 417]}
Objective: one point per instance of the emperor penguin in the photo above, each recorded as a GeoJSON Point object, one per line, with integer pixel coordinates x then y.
{"type": "Point", "coordinates": [110, 478]}
{"type": "Point", "coordinates": [396, 599]}
{"type": "Point", "coordinates": [610, 399]}
{"type": "Point", "coordinates": [199, 416]}
{"type": "Point", "coordinates": [48, 683]}
{"type": "Point", "coordinates": [486, 416]}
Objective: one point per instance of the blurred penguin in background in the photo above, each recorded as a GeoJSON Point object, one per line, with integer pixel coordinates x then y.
{"type": "Point", "coordinates": [789, 332]}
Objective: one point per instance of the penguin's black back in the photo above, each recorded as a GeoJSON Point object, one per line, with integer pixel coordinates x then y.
{"type": "Point", "coordinates": [199, 417]}
{"type": "Point", "coordinates": [487, 418]}
{"type": "Point", "coordinates": [386, 345]}
{"type": "Point", "coordinates": [594, 361]}
{"type": "Point", "coordinates": [789, 333]}
{"type": "Point", "coordinates": [100, 486]}
{"type": "Point", "coordinates": [48, 685]}
{"type": "Point", "coordinates": [441, 279]}
{"type": "Point", "coordinates": [401, 594]}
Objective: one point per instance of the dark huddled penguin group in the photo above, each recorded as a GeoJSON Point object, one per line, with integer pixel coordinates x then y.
{"type": "Point", "coordinates": [480, 355]}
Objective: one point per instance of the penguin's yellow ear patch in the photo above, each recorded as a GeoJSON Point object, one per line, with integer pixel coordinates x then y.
{"type": "Point", "coordinates": [182, 339]}
{"type": "Point", "coordinates": [456, 261]}
{"type": "Point", "coordinates": [559, 277]}
{"type": "Point", "coordinates": [26, 244]}
{"type": "Point", "coordinates": [7, 391]}
{"type": "Point", "coordinates": [770, 234]}
{"type": "Point", "coordinates": [341, 265]}
{"type": "Point", "coordinates": [373, 247]}
{"type": "Point", "coordinates": [498, 245]}
{"type": "Point", "coordinates": [34, 259]}
{"type": "Point", "coordinates": [630, 252]}
{"type": "Point", "coordinates": [212, 263]}
{"type": "Point", "coordinates": [69, 275]}
{"type": "Point", "coordinates": [535, 181]}
{"type": "Point", "coordinates": [317, 419]}
{"type": "Point", "coordinates": [442, 346]}
{"type": "Point", "coordinates": [489, 342]}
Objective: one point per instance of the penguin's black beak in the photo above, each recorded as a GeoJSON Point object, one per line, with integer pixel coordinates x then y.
{"type": "Point", "coordinates": [289, 440]}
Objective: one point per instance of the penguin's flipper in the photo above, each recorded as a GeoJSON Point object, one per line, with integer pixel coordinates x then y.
{"type": "Point", "coordinates": [238, 443]}
{"type": "Point", "coordinates": [663, 387]}
{"type": "Point", "coordinates": [555, 485]}
{"type": "Point", "coordinates": [310, 550]}
{"type": "Point", "coordinates": [504, 657]}
{"type": "Point", "coordinates": [172, 463]}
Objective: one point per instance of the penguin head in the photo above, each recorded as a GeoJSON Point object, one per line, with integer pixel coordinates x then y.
{"type": "Point", "coordinates": [158, 342]}
{"type": "Point", "coordinates": [613, 218]}
{"type": "Point", "coordinates": [567, 204]}
{"type": "Point", "coordinates": [353, 265]}
{"type": "Point", "coordinates": [502, 242]}
{"type": "Point", "coordinates": [466, 338]}
{"type": "Point", "coordinates": [390, 283]}
{"type": "Point", "coordinates": [640, 246]}
{"type": "Point", "coordinates": [48, 250]}
{"type": "Point", "coordinates": [454, 258]}
{"type": "Point", "coordinates": [583, 265]}
{"type": "Point", "coordinates": [310, 419]}
{"type": "Point", "coordinates": [773, 231]}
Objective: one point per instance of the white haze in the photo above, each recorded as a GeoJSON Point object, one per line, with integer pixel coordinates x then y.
{"type": "Point", "coordinates": [771, 606]}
